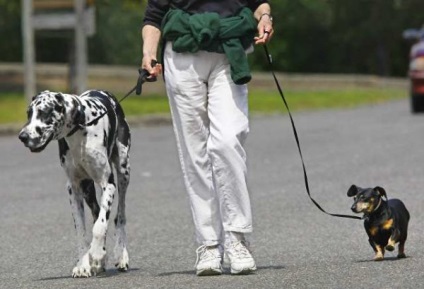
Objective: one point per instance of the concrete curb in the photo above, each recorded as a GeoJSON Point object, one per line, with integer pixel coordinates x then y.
{"type": "Point", "coordinates": [10, 129]}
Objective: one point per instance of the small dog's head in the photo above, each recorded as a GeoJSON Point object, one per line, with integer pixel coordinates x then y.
{"type": "Point", "coordinates": [367, 200]}
{"type": "Point", "coordinates": [46, 118]}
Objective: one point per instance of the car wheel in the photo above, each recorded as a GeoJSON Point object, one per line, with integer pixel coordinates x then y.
{"type": "Point", "coordinates": [417, 103]}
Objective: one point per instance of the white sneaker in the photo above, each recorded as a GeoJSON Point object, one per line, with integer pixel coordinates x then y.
{"type": "Point", "coordinates": [240, 258]}
{"type": "Point", "coordinates": [209, 259]}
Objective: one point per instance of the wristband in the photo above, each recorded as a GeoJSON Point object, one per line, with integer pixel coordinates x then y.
{"type": "Point", "coordinates": [267, 14]}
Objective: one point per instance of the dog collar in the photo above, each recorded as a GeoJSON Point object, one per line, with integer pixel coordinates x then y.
{"type": "Point", "coordinates": [77, 118]}
{"type": "Point", "coordinates": [74, 130]}
{"type": "Point", "coordinates": [366, 217]}
{"type": "Point", "coordinates": [378, 206]}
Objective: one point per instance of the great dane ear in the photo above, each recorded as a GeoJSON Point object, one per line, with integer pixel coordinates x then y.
{"type": "Point", "coordinates": [78, 115]}
{"type": "Point", "coordinates": [353, 190]}
{"type": "Point", "coordinates": [35, 96]}
{"type": "Point", "coordinates": [60, 105]}
{"type": "Point", "coordinates": [59, 97]}
{"type": "Point", "coordinates": [381, 191]}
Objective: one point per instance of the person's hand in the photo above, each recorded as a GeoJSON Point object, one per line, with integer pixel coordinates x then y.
{"type": "Point", "coordinates": [146, 64]}
{"type": "Point", "coordinates": [265, 30]}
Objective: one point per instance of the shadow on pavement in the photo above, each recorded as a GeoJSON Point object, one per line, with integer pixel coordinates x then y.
{"type": "Point", "coordinates": [108, 273]}
{"type": "Point", "coordinates": [226, 271]}
{"type": "Point", "coordinates": [385, 259]}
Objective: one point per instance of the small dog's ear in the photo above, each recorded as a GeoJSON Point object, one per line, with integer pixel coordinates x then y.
{"type": "Point", "coordinates": [353, 190]}
{"type": "Point", "coordinates": [381, 191]}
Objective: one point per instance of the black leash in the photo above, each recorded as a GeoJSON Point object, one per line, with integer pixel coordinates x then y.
{"type": "Point", "coordinates": [305, 176]}
{"type": "Point", "coordinates": [142, 78]}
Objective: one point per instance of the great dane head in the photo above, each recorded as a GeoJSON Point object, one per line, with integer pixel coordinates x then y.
{"type": "Point", "coordinates": [46, 118]}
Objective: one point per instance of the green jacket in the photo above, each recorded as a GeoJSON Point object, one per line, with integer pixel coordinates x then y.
{"type": "Point", "coordinates": [209, 32]}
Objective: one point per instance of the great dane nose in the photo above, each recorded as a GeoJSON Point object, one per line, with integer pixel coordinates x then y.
{"type": "Point", "coordinates": [24, 137]}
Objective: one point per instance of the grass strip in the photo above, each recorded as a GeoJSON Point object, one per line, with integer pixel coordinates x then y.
{"type": "Point", "coordinates": [13, 105]}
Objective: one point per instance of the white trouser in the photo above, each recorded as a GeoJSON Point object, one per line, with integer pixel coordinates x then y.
{"type": "Point", "coordinates": [210, 117]}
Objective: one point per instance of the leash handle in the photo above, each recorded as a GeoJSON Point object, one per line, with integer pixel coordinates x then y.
{"type": "Point", "coordinates": [143, 76]}
{"type": "Point", "coordinates": [305, 175]}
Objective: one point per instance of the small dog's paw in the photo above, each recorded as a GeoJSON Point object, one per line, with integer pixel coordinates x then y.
{"type": "Point", "coordinates": [122, 263]}
{"type": "Point", "coordinates": [390, 247]}
{"type": "Point", "coordinates": [378, 257]}
{"type": "Point", "coordinates": [401, 255]}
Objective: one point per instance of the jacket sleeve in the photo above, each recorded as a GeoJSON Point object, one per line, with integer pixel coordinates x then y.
{"type": "Point", "coordinates": [155, 11]}
{"type": "Point", "coordinates": [254, 4]}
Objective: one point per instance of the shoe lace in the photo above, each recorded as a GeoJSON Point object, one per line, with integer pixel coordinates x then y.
{"type": "Point", "coordinates": [206, 253]}
{"type": "Point", "coordinates": [240, 248]}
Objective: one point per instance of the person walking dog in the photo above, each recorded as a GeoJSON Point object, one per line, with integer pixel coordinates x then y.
{"type": "Point", "coordinates": [204, 53]}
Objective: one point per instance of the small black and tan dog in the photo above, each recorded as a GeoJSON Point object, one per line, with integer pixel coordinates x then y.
{"type": "Point", "coordinates": [386, 221]}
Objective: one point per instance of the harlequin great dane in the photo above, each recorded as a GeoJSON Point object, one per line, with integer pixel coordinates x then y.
{"type": "Point", "coordinates": [93, 137]}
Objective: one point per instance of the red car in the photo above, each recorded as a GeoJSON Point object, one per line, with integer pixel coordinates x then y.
{"type": "Point", "coordinates": [416, 69]}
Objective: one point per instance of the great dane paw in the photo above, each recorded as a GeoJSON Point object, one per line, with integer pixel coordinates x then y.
{"type": "Point", "coordinates": [97, 261]}
{"type": "Point", "coordinates": [81, 271]}
{"type": "Point", "coordinates": [122, 263]}
{"type": "Point", "coordinates": [83, 268]}
{"type": "Point", "coordinates": [90, 264]}
{"type": "Point", "coordinates": [98, 267]}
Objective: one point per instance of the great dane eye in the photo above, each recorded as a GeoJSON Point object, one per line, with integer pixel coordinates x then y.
{"type": "Point", "coordinates": [45, 113]}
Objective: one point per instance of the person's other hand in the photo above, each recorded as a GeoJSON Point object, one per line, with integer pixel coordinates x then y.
{"type": "Point", "coordinates": [265, 30]}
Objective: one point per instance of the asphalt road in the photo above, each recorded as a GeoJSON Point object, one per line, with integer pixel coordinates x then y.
{"type": "Point", "coordinates": [296, 246]}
